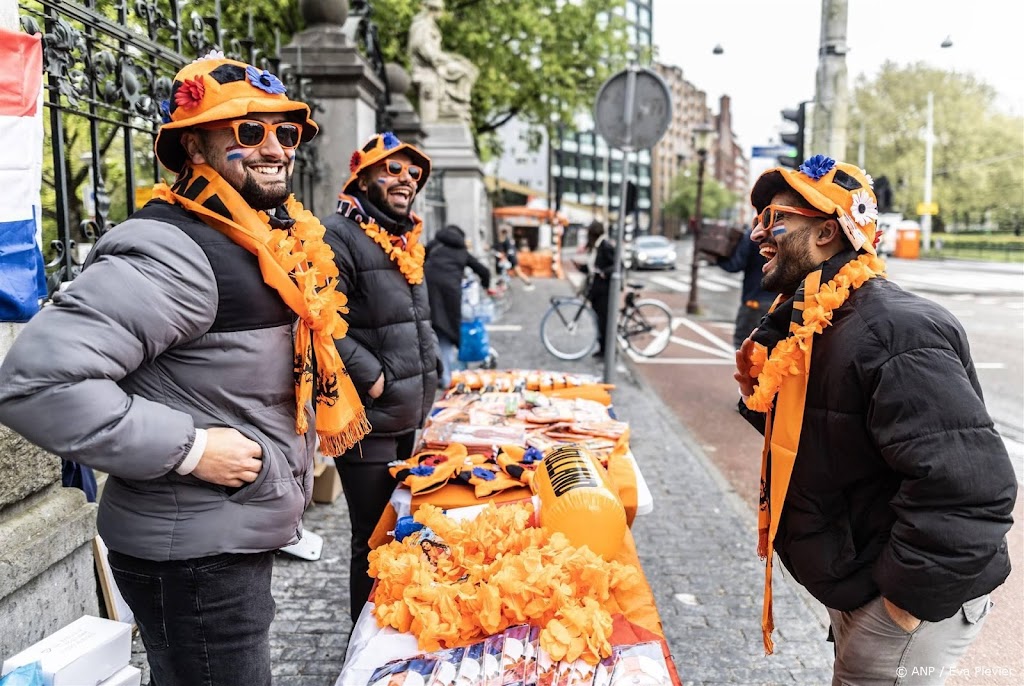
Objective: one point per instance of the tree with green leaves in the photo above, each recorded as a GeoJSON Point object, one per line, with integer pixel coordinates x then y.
{"type": "Point", "coordinates": [716, 200]}
{"type": "Point", "coordinates": [978, 154]}
{"type": "Point", "coordinates": [539, 60]}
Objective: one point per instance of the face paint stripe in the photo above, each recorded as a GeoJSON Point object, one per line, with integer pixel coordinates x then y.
{"type": "Point", "coordinates": [235, 155]}
{"type": "Point", "coordinates": [778, 230]}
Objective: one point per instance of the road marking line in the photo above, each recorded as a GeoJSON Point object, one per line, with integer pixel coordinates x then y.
{"type": "Point", "coordinates": [511, 328]}
{"type": "Point", "coordinates": [682, 284]}
{"type": "Point", "coordinates": [727, 347]}
{"type": "Point", "coordinates": [704, 348]}
{"type": "Point", "coordinates": [989, 365]}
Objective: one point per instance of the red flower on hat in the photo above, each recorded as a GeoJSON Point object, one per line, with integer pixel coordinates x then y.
{"type": "Point", "coordinates": [355, 161]}
{"type": "Point", "coordinates": [190, 92]}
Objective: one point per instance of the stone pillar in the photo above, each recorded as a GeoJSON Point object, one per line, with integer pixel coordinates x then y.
{"type": "Point", "coordinates": [46, 533]}
{"type": "Point", "coordinates": [342, 84]}
{"type": "Point", "coordinates": [451, 150]}
{"type": "Point", "coordinates": [405, 121]}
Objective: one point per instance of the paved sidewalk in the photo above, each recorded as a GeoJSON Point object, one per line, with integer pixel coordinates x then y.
{"type": "Point", "coordinates": [698, 550]}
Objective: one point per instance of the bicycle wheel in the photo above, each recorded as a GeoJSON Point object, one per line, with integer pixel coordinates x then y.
{"type": "Point", "coordinates": [569, 329]}
{"type": "Point", "coordinates": [647, 327]}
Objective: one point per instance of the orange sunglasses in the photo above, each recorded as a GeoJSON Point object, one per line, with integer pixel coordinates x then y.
{"type": "Point", "coordinates": [250, 133]}
{"type": "Point", "coordinates": [396, 168]}
{"type": "Point", "coordinates": [770, 216]}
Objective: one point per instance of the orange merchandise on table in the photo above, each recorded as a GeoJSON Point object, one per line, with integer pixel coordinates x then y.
{"type": "Point", "coordinates": [454, 571]}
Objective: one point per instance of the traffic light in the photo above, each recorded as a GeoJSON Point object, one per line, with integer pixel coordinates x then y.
{"type": "Point", "coordinates": [795, 139]}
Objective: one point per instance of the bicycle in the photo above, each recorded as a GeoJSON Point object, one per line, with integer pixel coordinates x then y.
{"type": "Point", "coordinates": [568, 329]}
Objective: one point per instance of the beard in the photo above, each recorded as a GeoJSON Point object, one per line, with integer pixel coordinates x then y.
{"type": "Point", "coordinates": [793, 264]}
{"type": "Point", "coordinates": [265, 198]}
{"type": "Point", "coordinates": [376, 194]}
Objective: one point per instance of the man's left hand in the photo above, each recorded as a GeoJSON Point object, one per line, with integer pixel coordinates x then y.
{"type": "Point", "coordinates": [903, 619]}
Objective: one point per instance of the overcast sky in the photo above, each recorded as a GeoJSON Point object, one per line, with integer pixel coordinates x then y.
{"type": "Point", "coordinates": [771, 48]}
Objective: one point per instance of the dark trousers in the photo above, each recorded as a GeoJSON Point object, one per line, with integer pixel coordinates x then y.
{"type": "Point", "coordinates": [368, 486]}
{"type": "Point", "coordinates": [205, 621]}
{"type": "Point", "coordinates": [598, 295]}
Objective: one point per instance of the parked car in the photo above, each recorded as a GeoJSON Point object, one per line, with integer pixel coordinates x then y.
{"type": "Point", "coordinates": [652, 252]}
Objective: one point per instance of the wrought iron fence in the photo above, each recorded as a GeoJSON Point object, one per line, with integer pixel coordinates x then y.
{"type": "Point", "coordinates": [108, 66]}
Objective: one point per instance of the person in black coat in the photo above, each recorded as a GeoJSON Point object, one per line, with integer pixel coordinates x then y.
{"type": "Point", "coordinates": [754, 300]}
{"type": "Point", "coordinates": [886, 490]}
{"type": "Point", "coordinates": [390, 350]}
{"type": "Point", "coordinates": [600, 263]}
{"type": "Point", "coordinates": [447, 259]}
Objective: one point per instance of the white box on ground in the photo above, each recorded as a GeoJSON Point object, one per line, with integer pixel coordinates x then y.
{"type": "Point", "coordinates": [84, 653]}
{"type": "Point", "coordinates": [129, 676]}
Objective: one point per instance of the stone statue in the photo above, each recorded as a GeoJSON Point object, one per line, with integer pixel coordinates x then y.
{"type": "Point", "coordinates": [445, 80]}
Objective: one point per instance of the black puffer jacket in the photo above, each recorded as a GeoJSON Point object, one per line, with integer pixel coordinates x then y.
{"type": "Point", "coordinates": [901, 485]}
{"type": "Point", "coordinates": [447, 259]}
{"type": "Point", "coordinates": [389, 323]}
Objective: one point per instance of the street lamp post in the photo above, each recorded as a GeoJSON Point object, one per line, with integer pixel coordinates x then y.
{"type": "Point", "coordinates": [701, 139]}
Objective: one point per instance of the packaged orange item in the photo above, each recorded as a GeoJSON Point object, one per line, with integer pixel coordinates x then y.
{"type": "Point", "coordinates": [575, 499]}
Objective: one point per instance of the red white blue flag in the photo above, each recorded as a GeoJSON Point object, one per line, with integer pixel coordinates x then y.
{"type": "Point", "coordinates": [22, 276]}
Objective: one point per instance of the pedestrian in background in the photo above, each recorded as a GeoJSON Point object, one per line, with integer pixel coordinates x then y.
{"type": "Point", "coordinates": [599, 267]}
{"type": "Point", "coordinates": [885, 489]}
{"type": "Point", "coordinates": [446, 262]}
{"type": "Point", "coordinates": [169, 364]}
{"type": "Point", "coordinates": [754, 300]}
{"type": "Point", "coordinates": [390, 350]}
{"type": "Point", "coordinates": [506, 249]}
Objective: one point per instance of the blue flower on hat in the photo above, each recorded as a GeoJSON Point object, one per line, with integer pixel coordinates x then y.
{"type": "Point", "coordinates": [817, 166]}
{"type": "Point", "coordinates": [165, 111]}
{"type": "Point", "coordinates": [422, 470]}
{"type": "Point", "coordinates": [485, 474]}
{"type": "Point", "coordinates": [265, 81]}
{"type": "Point", "coordinates": [390, 140]}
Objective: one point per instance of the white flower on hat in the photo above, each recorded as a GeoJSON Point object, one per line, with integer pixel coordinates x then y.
{"type": "Point", "coordinates": [212, 55]}
{"type": "Point", "coordinates": [871, 181]}
{"type": "Point", "coordinates": [863, 208]}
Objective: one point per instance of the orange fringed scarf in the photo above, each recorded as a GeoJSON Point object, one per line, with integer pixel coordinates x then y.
{"type": "Point", "coordinates": [786, 373]}
{"type": "Point", "coordinates": [299, 265]}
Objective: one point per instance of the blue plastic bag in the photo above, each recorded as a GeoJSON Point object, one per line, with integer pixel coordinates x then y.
{"type": "Point", "coordinates": [26, 675]}
{"type": "Point", "coordinates": [474, 343]}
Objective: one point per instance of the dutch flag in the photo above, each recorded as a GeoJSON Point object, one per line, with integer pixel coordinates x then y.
{"type": "Point", "coordinates": [22, 276]}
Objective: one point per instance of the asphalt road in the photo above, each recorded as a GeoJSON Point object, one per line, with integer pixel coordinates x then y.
{"type": "Point", "coordinates": [693, 377]}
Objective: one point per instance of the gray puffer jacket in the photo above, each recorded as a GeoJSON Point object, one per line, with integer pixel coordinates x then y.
{"type": "Point", "coordinates": [169, 328]}
{"type": "Point", "coordinates": [389, 323]}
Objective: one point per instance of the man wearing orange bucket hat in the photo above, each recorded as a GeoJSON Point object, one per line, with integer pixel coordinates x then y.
{"type": "Point", "coordinates": [885, 489]}
{"type": "Point", "coordinates": [189, 356]}
{"type": "Point", "coordinates": [391, 350]}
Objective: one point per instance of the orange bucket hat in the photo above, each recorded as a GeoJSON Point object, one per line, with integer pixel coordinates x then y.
{"type": "Point", "coordinates": [836, 188]}
{"type": "Point", "coordinates": [379, 147]}
{"type": "Point", "coordinates": [214, 88]}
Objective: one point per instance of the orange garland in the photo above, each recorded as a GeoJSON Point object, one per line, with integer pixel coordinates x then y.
{"type": "Point", "coordinates": [500, 571]}
{"type": "Point", "coordinates": [409, 259]}
{"type": "Point", "coordinates": [787, 357]}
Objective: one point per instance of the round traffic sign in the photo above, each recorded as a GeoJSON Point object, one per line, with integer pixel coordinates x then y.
{"type": "Point", "coordinates": [633, 109]}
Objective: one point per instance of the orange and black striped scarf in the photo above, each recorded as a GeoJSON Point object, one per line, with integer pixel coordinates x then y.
{"type": "Point", "coordinates": [781, 437]}
{"type": "Point", "coordinates": [299, 265]}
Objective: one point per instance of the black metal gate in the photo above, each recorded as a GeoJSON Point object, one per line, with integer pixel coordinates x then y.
{"type": "Point", "coordinates": [109, 64]}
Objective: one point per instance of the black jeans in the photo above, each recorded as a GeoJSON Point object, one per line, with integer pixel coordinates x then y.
{"type": "Point", "coordinates": [205, 621]}
{"type": "Point", "coordinates": [368, 486]}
